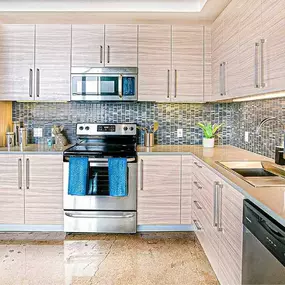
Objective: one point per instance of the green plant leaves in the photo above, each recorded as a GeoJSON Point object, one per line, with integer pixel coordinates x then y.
{"type": "Point", "coordinates": [209, 130]}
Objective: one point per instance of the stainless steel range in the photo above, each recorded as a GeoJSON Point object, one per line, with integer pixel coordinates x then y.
{"type": "Point", "coordinates": [98, 211]}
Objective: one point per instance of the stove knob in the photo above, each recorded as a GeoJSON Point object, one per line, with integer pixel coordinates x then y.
{"type": "Point", "coordinates": [81, 128]}
{"type": "Point", "coordinates": [125, 128]}
{"type": "Point", "coordinates": [87, 128]}
{"type": "Point", "coordinates": [131, 128]}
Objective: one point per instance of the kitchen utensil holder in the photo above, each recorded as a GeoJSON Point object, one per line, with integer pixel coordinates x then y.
{"type": "Point", "coordinates": [149, 139]}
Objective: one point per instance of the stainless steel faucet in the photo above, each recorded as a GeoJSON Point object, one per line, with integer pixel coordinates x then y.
{"type": "Point", "coordinates": [279, 152]}
{"type": "Point", "coordinates": [268, 119]}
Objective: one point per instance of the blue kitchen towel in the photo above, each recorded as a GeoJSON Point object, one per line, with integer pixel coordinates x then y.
{"type": "Point", "coordinates": [117, 170]}
{"type": "Point", "coordinates": [78, 176]}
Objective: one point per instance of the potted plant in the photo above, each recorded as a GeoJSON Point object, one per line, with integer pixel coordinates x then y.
{"type": "Point", "coordinates": [210, 132]}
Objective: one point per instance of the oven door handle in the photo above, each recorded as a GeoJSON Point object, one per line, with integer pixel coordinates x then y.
{"type": "Point", "coordinates": [106, 159]}
{"type": "Point", "coordinates": [88, 216]}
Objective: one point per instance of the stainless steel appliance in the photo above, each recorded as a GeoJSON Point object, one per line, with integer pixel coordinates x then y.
{"type": "Point", "coordinates": [263, 248]}
{"type": "Point", "coordinates": [99, 212]}
{"type": "Point", "coordinates": [104, 84]}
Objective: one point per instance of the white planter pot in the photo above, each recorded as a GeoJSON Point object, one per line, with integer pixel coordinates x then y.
{"type": "Point", "coordinates": [208, 142]}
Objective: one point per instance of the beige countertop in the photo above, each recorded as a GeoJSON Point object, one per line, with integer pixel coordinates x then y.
{"type": "Point", "coordinates": [33, 149]}
{"type": "Point", "coordinates": [270, 199]}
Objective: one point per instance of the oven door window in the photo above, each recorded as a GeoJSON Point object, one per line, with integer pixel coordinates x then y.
{"type": "Point", "coordinates": [85, 85]}
{"type": "Point", "coordinates": [109, 85]}
{"type": "Point", "coordinates": [98, 184]}
{"type": "Point", "coordinates": [129, 85]}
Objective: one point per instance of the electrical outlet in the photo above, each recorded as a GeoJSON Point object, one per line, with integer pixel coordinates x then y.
{"type": "Point", "coordinates": [179, 133]}
{"type": "Point", "coordinates": [246, 136]}
{"type": "Point", "coordinates": [38, 132]}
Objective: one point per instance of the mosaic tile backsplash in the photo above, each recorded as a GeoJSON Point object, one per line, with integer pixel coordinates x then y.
{"type": "Point", "coordinates": [246, 118]}
{"type": "Point", "coordinates": [237, 117]}
{"type": "Point", "coordinates": [170, 117]}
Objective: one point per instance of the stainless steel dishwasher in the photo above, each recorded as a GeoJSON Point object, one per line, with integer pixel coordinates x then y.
{"type": "Point", "coordinates": [263, 247]}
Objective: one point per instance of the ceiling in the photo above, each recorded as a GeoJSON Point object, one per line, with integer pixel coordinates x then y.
{"type": "Point", "coordinates": [104, 6]}
{"type": "Point", "coordinates": [111, 11]}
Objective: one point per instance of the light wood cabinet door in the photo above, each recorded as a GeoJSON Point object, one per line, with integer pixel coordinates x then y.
{"type": "Point", "coordinates": [154, 63]}
{"type": "Point", "coordinates": [44, 189]}
{"type": "Point", "coordinates": [121, 45]}
{"type": "Point", "coordinates": [207, 64]}
{"type": "Point", "coordinates": [187, 63]}
{"type": "Point", "coordinates": [88, 45]}
{"type": "Point", "coordinates": [231, 49]}
{"type": "Point", "coordinates": [159, 190]}
{"type": "Point", "coordinates": [231, 238]}
{"type": "Point", "coordinates": [16, 62]}
{"type": "Point", "coordinates": [53, 48]}
{"type": "Point", "coordinates": [217, 57]}
{"type": "Point", "coordinates": [186, 190]}
{"type": "Point", "coordinates": [11, 189]}
{"type": "Point", "coordinates": [250, 33]}
{"type": "Point", "coordinates": [273, 25]}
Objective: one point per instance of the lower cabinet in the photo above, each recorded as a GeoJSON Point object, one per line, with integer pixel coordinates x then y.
{"type": "Point", "coordinates": [31, 189]}
{"type": "Point", "coordinates": [164, 197]}
{"type": "Point", "coordinates": [217, 214]}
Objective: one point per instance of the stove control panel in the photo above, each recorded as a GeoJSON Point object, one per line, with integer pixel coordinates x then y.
{"type": "Point", "coordinates": [106, 129]}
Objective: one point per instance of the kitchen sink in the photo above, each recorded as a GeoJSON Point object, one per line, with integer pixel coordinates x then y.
{"type": "Point", "coordinates": [256, 173]}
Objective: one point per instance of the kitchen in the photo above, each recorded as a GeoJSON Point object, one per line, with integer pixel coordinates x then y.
{"type": "Point", "coordinates": [121, 97]}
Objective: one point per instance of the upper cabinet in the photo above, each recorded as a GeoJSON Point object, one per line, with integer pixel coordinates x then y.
{"type": "Point", "coordinates": [248, 57]}
{"type": "Point", "coordinates": [16, 62]}
{"type": "Point", "coordinates": [187, 63]}
{"type": "Point", "coordinates": [52, 62]}
{"type": "Point", "coordinates": [171, 63]}
{"type": "Point", "coordinates": [273, 25]}
{"type": "Point", "coordinates": [104, 45]}
{"type": "Point", "coordinates": [88, 45]}
{"type": "Point", "coordinates": [249, 46]}
{"type": "Point", "coordinates": [121, 45]}
{"type": "Point", "coordinates": [35, 62]}
{"type": "Point", "coordinates": [154, 63]}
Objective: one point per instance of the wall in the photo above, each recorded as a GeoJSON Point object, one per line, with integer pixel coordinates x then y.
{"type": "Point", "coordinates": [170, 117]}
{"type": "Point", "coordinates": [238, 118]}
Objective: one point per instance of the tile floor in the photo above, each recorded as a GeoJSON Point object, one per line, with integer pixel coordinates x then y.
{"type": "Point", "coordinates": [141, 259]}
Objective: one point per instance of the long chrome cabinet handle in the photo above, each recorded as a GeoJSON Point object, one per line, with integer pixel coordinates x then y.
{"type": "Point", "coordinates": [198, 226]}
{"type": "Point", "coordinates": [262, 83]}
{"type": "Point", "coordinates": [141, 175]}
{"type": "Point", "coordinates": [101, 54]}
{"type": "Point", "coordinates": [197, 204]}
{"type": "Point", "coordinates": [175, 83]}
{"type": "Point", "coordinates": [221, 80]}
{"type": "Point", "coordinates": [215, 208]}
{"type": "Point", "coordinates": [28, 173]}
{"type": "Point", "coordinates": [256, 84]}
{"type": "Point", "coordinates": [168, 82]}
{"type": "Point", "coordinates": [224, 79]}
{"type": "Point", "coordinates": [38, 83]}
{"type": "Point", "coordinates": [219, 207]}
{"type": "Point", "coordinates": [108, 54]}
{"type": "Point", "coordinates": [198, 165]}
{"type": "Point", "coordinates": [197, 185]}
{"type": "Point", "coordinates": [20, 173]}
{"type": "Point", "coordinates": [31, 83]}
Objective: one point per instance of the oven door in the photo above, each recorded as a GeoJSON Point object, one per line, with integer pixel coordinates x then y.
{"type": "Point", "coordinates": [101, 200]}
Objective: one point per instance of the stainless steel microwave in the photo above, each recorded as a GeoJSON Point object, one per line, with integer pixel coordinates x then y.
{"type": "Point", "coordinates": [104, 84]}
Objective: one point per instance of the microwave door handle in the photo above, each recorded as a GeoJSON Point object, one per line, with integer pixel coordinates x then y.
{"type": "Point", "coordinates": [121, 86]}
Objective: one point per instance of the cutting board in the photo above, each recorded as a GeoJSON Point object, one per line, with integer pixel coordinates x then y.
{"type": "Point", "coordinates": [5, 121]}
